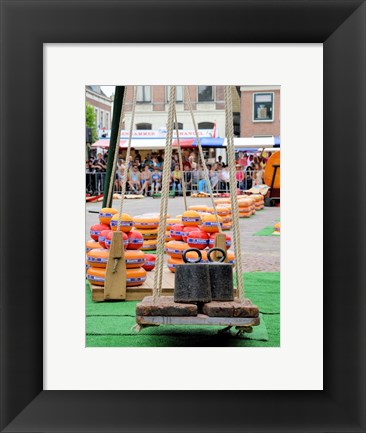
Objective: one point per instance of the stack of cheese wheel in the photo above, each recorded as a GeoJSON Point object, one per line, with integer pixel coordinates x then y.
{"type": "Point", "coordinates": [147, 225]}
{"type": "Point", "coordinates": [97, 259]}
{"type": "Point", "coordinates": [245, 207]}
{"type": "Point", "coordinates": [220, 201]}
{"type": "Point", "coordinates": [277, 228]}
{"type": "Point", "coordinates": [191, 218]}
{"type": "Point", "coordinates": [224, 212]}
{"type": "Point", "coordinates": [169, 223]}
{"type": "Point", "coordinates": [259, 201]}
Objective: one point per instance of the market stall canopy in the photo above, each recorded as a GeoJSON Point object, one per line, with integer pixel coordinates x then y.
{"type": "Point", "coordinates": [205, 142]}
{"type": "Point", "coordinates": [136, 143]}
{"type": "Point", "coordinates": [253, 142]}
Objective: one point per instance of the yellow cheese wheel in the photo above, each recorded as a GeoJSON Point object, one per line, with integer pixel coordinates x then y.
{"type": "Point", "coordinates": [91, 245]}
{"type": "Point", "coordinates": [146, 221]}
{"type": "Point", "coordinates": [198, 208]}
{"type": "Point", "coordinates": [135, 277]}
{"type": "Point", "coordinates": [191, 218]}
{"type": "Point", "coordinates": [134, 259]}
{"type": "Point", "coordinates": [209, 224]}
{"type": "Point", "coordinates": [96, 276]}
{"type": "Point", "coordinates": [172, 262]}
{"type": "Point", "coordinates": [175, 248]}
{"type": "Point", "coordinates": [106, 214]}
{"type": "Point", "coordinates": [148, 233]}
{"type": "Point", "coordinates": [98, 257]}
{"type": "Point", "coordinates": [149, 245]}
{"type": "Point", "coordinates": [126, 222]}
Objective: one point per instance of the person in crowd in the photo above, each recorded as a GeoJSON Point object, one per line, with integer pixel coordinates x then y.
{"type": "Point", "coordinates": [202, 185]}
{"type": "Point", "coordinates": [99, 166]}
{"type": "Point", "coordinates": [239, 176]}
{"type": "Point", "coordinates": [145, 180]}
{"type": "Point", "coordinates": [120, 172]}
{"type": "Point", "coordinates": [195, 177]}
{"type": "Point", "coordinates": [155, 181]}
{"type": "Point", "coordinates": [214, 176]}
{"type": "Point", "coordinates": [243, 159]}
{"type": "Point", "coordinates": [147, 161]}
{"type": "Point", "coordinates": [219, 160]}
{"type": "Point", "coordinates": [134, 179]}
{"type": "Point", "coordinates": [192, 162]}
{"type": "Point", "coordinates": [187, 177]}
{"type": "Point", "coordinates": [177, 179]}
{"type": "Point", "coordinates": [258, 175]}
{"type": "Point", "coordinates": [160, 160]}
{"type": "Point", "coordinates": [225, 177]}
{"type": "Point", "coordinates": [137, 158]}
{"type": "Point", "coordinates": [250, 160]}
{"type": "Point", "coordinates": [249, 174]}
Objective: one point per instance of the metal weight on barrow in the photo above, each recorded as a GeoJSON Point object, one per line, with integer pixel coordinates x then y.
{"type": "Point", "coordinates": [221, 277]}
{"type": "Point", "coordinates": [192, 280]}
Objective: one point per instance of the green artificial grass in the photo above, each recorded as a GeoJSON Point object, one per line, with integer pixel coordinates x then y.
{"type": "Point", "coordinates": [109, 324]}
{"type": "Point", "coordinates": [267, 231]}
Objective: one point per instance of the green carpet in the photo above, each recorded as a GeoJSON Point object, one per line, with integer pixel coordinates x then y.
{"type": "Point", "coordinates": [108, 324]}
{"type": "Point", "coordinates": [267, 231]}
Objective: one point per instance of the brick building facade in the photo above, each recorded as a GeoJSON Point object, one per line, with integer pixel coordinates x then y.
{"type": "Point", "coordinates": [260, 111]}
{"type": "Point", "coordinates": [102, 105]}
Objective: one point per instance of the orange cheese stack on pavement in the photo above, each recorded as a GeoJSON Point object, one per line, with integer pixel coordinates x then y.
{"type": "Point", "coordinates": [126, 222]}
{"type": "Point", "coordinates": [106, 214]}
{"type": "Point", "coordinates": [277, 228]}
{"type": "Point", "coordinates": [191, 218]}
{"type": "Point", "coordinates": [98, 258]}
{"type": "Point", "coordinates": [135, 277]}
{"type": "Point", "coordinates": [175, 248]}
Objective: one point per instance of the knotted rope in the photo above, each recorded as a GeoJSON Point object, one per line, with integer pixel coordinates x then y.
{"type": "Point", "coordinates": [164, 196]}
{"type": "Point", "coordinates": [233, 195]}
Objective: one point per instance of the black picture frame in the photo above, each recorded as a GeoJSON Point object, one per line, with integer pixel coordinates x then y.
{"type": "Point", "coordinates": [25, 26]}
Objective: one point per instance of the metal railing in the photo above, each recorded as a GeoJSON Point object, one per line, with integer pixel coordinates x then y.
{"type": "Point", "coordinates": [95, 183]}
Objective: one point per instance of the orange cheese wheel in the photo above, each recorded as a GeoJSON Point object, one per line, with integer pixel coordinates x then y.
{"type": "Point", "coordinates": [230, 257]}
{"type": "Point", "coordinates": [171, 221]}
{"type": "Point", "coordinates": [168, 237]}
{"type": "Point", "coordinates": [209, 224]}
{"type": "Point", "coordinates": [106, 214]}
{"type": "Point", "coordinates": [149, 233]}
{"type": "Point", "coordinates": [91, 245]}
{"type": "Point", "coordinates": [134, 259]}
{"type": "Point", "coordinates": [98, 258]}
{"type": "Point", "coordinates": [172, 262]}
{"type": "Point", "coordinates": [96, 276]}
{"type": "Point", "coordinates": [277, 227]}
{"type": "Point", "coordinates": [149, 245]}
{"type": "Point", "coordinates": [227, 227]}
{"type": "Point", "coordinates": [126, 222]}
{"type": "Point", "coordinates": [191, 218]}
{"type": "Point", "coordinates": [222, 201]}
{"type": "Point", "coordinates": [135, 277]}
{"type": "Point", "coordinates": [198, 208]}
{"type": "Point", "coordinates": [146, 221]}
{"type": "Point", "coordinates": [175, 248]}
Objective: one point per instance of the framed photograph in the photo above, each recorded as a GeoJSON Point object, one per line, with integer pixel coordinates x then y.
{"type": "Point", "coordinates": [47, 383]}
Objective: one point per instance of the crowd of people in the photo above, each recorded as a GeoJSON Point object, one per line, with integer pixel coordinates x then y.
{"type": "Point", "coordinates": [144, 175]}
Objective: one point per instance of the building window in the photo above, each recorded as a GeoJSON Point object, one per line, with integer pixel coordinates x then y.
{"type": "Point", "coordinates": [180, 126]}
{"type": "Point", "coordinates": [206, 125]}
{"type": "Point", "coordinates": [178, 96]}
{"type": "Point", "coordinates": [143, 94]}
{"type": "Point", "coordinates": [143, 126]}
{"type": "Point", "coordinates": [262, 107]}
{"type": "Point", "coordinates": [205, 93]}
{"type": "Point", "coordinates": [101, 119]}
{"type": "Point", "coordinates": [107, 120]}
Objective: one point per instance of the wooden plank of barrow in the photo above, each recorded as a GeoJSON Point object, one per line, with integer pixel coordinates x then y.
{"type": "Point", "coordinates": [200, 319]}
{"type": "Point", "coordinates": [139, 292]}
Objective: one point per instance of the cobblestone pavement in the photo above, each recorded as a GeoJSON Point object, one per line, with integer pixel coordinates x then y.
{"type": "Point", "coordinates": [259, 253]}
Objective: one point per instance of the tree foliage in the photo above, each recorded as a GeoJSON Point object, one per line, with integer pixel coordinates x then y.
{"type": "Point", "coordinates": [91, 121]}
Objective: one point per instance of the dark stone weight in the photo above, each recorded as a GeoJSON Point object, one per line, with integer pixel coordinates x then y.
{"type": "Point", "coordinates": [164, 306]}
{"type": "Point", "coordinates": [234, 308]}
{"type": "Point", "coordinates": [192, 283]}
{"type": "Point", "coordinates": [221, 281]}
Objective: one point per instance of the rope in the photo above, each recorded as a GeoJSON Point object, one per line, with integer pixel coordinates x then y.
{"type": "Point", "coordinates": [124, 180]}
{"type": "Point", "coordinates": [233, 195]}
{"type": "Point", "coordinates": [203, 160]}
{"type": "Point", "coordinates": [180, 160]}
{"type": "Point", "coordinates": [116, 151]}
{"type": "Point", "coordinates": [164, 196]}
